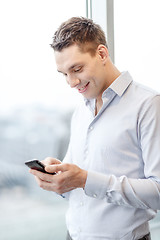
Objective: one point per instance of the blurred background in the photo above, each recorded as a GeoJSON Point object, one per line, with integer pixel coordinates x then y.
{"type": "Point", "coordinates": [36, 104]}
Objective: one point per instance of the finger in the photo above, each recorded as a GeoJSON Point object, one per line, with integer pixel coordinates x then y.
{"type": "Point", "coordinates": [50, 161]}
{"type": "Point", "coordinates": [43, 176]}
{"type": "Point", "coordinates": [45, 185]}
{"type": "Point", "coordinates": [57, 168]}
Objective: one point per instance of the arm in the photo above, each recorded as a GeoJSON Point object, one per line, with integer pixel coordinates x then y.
{"type": "Point", "coordinates": [138, 193]}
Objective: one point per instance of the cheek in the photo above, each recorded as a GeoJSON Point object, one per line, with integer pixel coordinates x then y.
{"type": "Point", "coordinates": [91, 75]}
{"type": "Point", "coordinates": [85, 77]}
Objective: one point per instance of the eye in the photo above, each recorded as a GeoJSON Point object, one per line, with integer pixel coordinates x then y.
{"type": "Point", "coordinates": [78, 69]}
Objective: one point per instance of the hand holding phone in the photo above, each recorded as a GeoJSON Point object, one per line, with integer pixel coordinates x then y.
{"type": "Point", "coordinates": [37, 165]}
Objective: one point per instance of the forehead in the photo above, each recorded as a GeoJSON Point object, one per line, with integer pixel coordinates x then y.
{"type": "Point", "coordinates": [70, 56]}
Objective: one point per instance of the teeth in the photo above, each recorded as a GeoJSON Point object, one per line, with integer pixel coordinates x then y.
{"type": "Point", "coordinates": [83, 87]}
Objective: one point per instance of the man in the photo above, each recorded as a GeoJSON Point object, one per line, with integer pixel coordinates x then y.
{"type": "Point", "coordinates": [111, 172]}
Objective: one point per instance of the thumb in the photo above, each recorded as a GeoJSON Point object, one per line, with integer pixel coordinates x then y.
{"type": "Point", "coordinates": [56, 168]}
{"type": "Point", "coordinates": [50, 161]}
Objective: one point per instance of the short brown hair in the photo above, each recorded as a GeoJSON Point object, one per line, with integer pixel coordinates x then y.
{"type": "Point", "coordinates": [81, 31]}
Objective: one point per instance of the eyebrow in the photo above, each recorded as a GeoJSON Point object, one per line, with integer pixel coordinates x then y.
{"type": "Point", "coordinates": [59, 71]}
{"type": "Point", "coordinates": [74, 65]}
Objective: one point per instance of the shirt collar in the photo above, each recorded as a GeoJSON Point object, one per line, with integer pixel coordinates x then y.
{"type": "Point", "coordinates": [121, 83]}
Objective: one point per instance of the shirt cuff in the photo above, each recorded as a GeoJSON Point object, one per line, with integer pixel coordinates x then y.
{"type": "Point", "coordinates": [96, 185]}
{"type": "Point", "coordinates": [65, 195]}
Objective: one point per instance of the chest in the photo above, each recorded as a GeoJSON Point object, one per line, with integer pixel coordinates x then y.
{"type": "Point", "coordinates": [108, 143]}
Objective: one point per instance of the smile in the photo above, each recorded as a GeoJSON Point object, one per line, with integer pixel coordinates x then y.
{"type": "Point", "coordinates": [83, 89]}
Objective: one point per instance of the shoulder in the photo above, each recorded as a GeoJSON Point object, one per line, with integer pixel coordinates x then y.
{"type": "Point", "coordinates": [142, 95]}
{"type": "Point", "coordinates": [144, 90]}
{"type": "Point", "coordinates": [148, 102]}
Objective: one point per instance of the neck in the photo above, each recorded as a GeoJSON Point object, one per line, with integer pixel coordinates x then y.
{"type": "Point", "coordinates": [98, 106]}
{"type": "Point", "coordinates": [112, 73]}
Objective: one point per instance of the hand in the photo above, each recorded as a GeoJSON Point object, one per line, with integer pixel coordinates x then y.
{"type": "Point", "coordinates": [50, 161]}
{"type": "Point", "coordinates": [68, 177]}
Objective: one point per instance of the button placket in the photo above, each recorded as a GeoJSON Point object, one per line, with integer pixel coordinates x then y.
{"type": "Point", "coordinates": [90, 128]}
{"type": "Point", "coordinates": [86, 151]}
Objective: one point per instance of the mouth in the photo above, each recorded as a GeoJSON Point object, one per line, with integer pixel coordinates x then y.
{"type": "Point", "coordinates": [83, 89]}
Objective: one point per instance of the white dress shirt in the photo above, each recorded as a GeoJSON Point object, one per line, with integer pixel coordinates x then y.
{"type": "Point", "coordinates": [120, 149]}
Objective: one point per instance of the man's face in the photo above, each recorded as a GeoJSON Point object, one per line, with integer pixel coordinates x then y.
{"type": "Point", "coordinates": [84, 72]}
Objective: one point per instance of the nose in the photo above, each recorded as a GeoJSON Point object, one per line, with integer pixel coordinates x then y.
{"type": "Point", "coordinates": [72, 81]}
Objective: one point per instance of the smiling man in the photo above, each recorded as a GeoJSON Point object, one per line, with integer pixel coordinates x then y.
{"type": "Point", "coordinates": [89, 73]}
{"type": "Point", "coordinates": [110, 174]}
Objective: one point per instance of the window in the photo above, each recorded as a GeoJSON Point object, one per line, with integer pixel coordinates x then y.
{"type": "Point", "coordinates": [32, 102]}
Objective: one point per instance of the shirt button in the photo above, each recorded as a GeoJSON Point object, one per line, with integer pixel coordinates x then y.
{"type": "Point", "coordinates": [81, 204]}
{"type": "Point", "coordinates": [86, 152]}
{"type": "Point", "coordinates": [91, 128]}
{"type": "Point", "coordinates": [108, 194]}
{"type": "Point", "coordinates": [94, 195]}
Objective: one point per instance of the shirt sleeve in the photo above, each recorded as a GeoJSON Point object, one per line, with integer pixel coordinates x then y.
{"type": "Point", "coordinates": [137, 193]}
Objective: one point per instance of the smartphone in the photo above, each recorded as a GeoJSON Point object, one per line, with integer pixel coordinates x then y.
{"type": "Point", "coordinates": [37, 165]}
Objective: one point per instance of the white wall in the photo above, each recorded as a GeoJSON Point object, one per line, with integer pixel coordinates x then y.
{"type": "Point", "coordinates": [137, 39]}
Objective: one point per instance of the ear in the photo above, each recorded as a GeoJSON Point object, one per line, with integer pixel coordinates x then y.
{"type": "Point", "coordinates": [103, 53]}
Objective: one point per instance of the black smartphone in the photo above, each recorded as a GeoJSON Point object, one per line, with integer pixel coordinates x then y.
{"type": "Point", "coordinates": [37, 165]}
